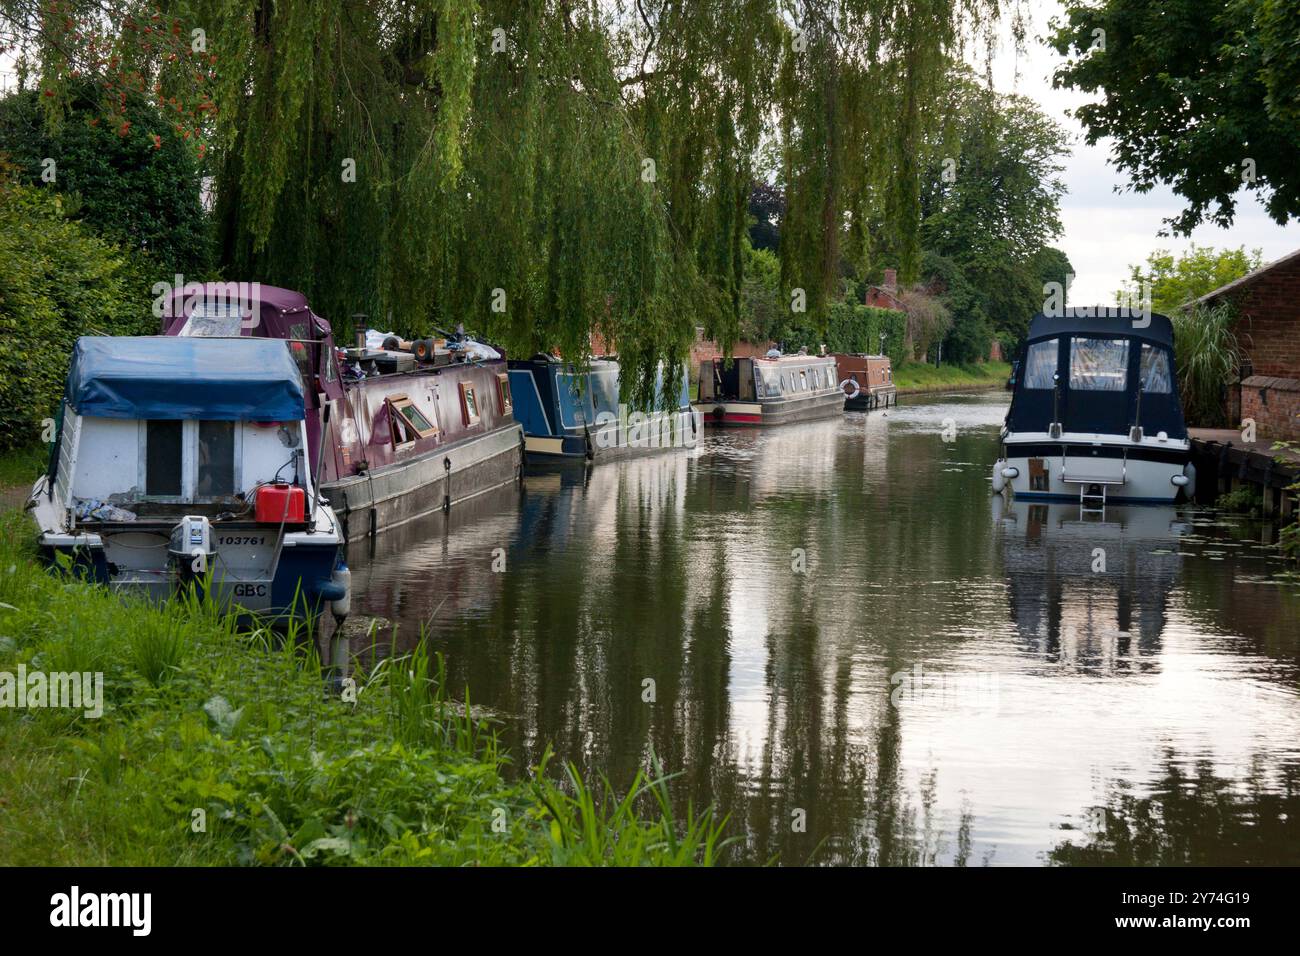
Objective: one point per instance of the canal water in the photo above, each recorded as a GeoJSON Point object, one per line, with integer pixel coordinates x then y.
{"type": "Point", "coordinates": [838, 638]}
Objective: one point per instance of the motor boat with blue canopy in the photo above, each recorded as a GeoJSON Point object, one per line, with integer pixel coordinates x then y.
{"type": "Point", "coordinates": [182, 463]}
{"type": "Point", "coordinates": [1096, 415]}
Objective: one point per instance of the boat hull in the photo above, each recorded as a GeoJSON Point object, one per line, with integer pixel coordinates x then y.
{"type": "Point", "coordinates": [616, 440]}
{"type": "Point", "coordinates": [257, 572]}
{"type": "Point", "coordinates": [733, 414]}
{"type": "Point", "coordinates": [1124, 474]}
{"type": "Point", "coordinates": [865, 402]}
{"type": "Point", "coordinates": [409, 489]}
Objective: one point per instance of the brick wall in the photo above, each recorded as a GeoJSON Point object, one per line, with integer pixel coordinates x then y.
{"type": "Point", "coordinates": [703, 350]}
{"type": "Point", "coordinates": [1268, 327]}
{"type": "Point", "coordinates": [1274, 404]}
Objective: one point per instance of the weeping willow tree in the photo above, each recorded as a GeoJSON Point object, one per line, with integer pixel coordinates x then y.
{"type": "Point", "coordinates": [535, 170]}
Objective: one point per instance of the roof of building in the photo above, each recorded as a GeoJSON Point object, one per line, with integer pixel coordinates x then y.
{"type": "Point", "coordinates": [1245, 280]}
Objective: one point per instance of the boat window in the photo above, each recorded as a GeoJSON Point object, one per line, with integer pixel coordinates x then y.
{"type": "Point", "coordinates": [1099, 365]}
{"type": "Point", "coordinates": [1040, 364]}
{"type": "Point", "coordinates": [162, 450]}
{"type": "Point", "coordinates": [409, 422]}
{"type": "Point", "coordinates": [216, 471]}
{"type": "Point", "coordinates": [468, 404]}
{"type": "Point", "coordinates": [503, 393]}
{"type": "Point", "coordinates": [803, 381]}
{"type": "Point", "coordinates": [1155, 371]}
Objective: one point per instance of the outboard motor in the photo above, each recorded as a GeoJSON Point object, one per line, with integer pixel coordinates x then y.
{"type": "Point", "coordinates": [190, 550]}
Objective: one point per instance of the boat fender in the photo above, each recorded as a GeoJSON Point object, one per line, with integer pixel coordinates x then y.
{"type": "Point", "coordinates": [999, 481]}
{"type": "Point", "coordinates": [341, 607]}
{"type": "Point", "coordinates": [849, 396]}
{"type": "Point", "coordinates": [1189, 470]}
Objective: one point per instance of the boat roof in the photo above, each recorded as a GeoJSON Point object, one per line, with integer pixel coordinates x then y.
{"type": "Point", "coordinates": [1102, 321]}
{"type": "Point", "coordinates": [172, 377]}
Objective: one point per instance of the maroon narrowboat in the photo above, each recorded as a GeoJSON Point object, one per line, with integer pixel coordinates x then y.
{"type": "Point", "coordinates": [394, 432]}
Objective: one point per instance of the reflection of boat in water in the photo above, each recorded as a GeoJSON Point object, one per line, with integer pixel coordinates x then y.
{"type": "Point", "coordinates": [1084, 586]}
{"type": "Point", "coordinates": [1095, 416]}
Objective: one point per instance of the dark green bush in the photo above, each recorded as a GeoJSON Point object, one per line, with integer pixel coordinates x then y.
{"type": "Point", "coordinates": [57, 281]}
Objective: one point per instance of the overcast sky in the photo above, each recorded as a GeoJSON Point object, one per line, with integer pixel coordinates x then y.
{"type": "Point", "coordinates": [1105, 231]}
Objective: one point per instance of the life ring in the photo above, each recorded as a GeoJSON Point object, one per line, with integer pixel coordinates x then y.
{"type": "Point", "coordinates": [857, 389]}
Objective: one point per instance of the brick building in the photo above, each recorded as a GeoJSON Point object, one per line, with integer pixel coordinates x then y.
{"type": "Point", "coordinates": [1268, 332]}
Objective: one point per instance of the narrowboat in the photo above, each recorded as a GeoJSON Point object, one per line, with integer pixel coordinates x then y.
{"type": "Point", "coordinates": [573, 415]}
{"type": "Point", "coordinates": [399, 431]}
{"type": "Point", "coordinates": [178, 462]}
{"type": "Point", "coordinates": [1095, 416]}
{"type": "Point", "coordinates": [867, 381]}
{"type": "Point", "coordinates": [769, 391]}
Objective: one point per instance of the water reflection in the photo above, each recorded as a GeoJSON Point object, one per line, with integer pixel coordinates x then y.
{"type": "Point", "coordinates": [823, 630]}
{"type": "Point", "coordinates": [1086, 588]}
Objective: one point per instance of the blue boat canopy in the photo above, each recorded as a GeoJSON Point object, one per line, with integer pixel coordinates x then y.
{"type": "Point", "coordinates": [169, 377]}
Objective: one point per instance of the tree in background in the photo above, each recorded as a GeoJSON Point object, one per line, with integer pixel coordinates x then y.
{"type": "Point", "coordinates": [990, 207]}
{"type": "Point", "coordinates": [135, 182]}
{"type": "Point", "coordinates": [1176, 281]}
{"type": "Point", "coordinates": [58, 280]}
{"type": "Point", "coordinates": [1203, 95]}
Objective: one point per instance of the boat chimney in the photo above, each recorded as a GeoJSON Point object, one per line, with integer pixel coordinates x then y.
{"type": "Point", "coordinates": [359, 327]}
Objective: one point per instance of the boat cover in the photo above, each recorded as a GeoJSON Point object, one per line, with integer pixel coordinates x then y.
{"type": "Point", "coordinates": [169, 377]}
{"type": "Point", "coordinates": [1098, 361]}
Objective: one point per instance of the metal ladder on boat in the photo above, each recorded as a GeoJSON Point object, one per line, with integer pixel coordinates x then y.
{"type": "Point", "coordinates": [1093, 501]}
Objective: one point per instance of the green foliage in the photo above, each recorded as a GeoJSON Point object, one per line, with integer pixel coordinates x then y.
{"type": "Point", "coordinates": [199, 715]}
{"type": "Point", "coordinates": [131, 190]}
{"type": "Point", "coordinates": [57, 281]}
{"type": "Point", "coordinates": [1207, 358]}
{"type": "Point", "coordinates": [858, 328]}
{"type": "Point", "coordinates": [993, 215]}
{"type": "Point", "coordinates": [592, 162]}
{"type": "Point", "coordinates": [1201, 95]}
{"type": "Point", "coordinates": [1174, 282]}
{"type": "Point", "coordinates": [1243, 500]}
{"type": "Point", "coordinates": [969, 333]}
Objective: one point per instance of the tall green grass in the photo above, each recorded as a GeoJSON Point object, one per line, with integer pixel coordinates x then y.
{"type": "Point", "coordinates": [228, 746]}
{"type": "Point", "coordinates": [1208, 358]}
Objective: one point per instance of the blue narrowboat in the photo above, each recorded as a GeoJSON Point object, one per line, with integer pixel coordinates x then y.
{"type": "Point", "coordinates": [572, 415]}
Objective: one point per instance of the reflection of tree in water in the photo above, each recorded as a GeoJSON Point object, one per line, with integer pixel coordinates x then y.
{"type": "Point", "coordinates": [1193, 818]}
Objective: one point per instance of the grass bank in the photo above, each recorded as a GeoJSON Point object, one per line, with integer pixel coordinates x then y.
{"type": "Point", "coordinates": [223, 747]}
{"type": "Point", "coordinates": [913, 377]}
{"type": "Point", "coordinates": [19, 468]}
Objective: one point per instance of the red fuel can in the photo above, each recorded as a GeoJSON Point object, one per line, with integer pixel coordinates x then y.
{"type": "Point", "coordinates": [280, 502]}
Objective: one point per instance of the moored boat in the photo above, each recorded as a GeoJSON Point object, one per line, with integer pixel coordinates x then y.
{"type": "Point", "coordinates": [1095, 416]}
{"type": "Point", "coordinates": [866, 380]}
{"type": "Point", "coordinates": [768, 391]}
{"type": "Point", "coordinates": [400, 431]}
{"type": "Point", "coordinates": [574, 415]}
{"type": "Point", "coordinates": [180, 462]}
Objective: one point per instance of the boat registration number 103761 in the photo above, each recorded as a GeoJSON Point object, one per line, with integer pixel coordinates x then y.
{"type": "Point", "coordinates": [249, 540]}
